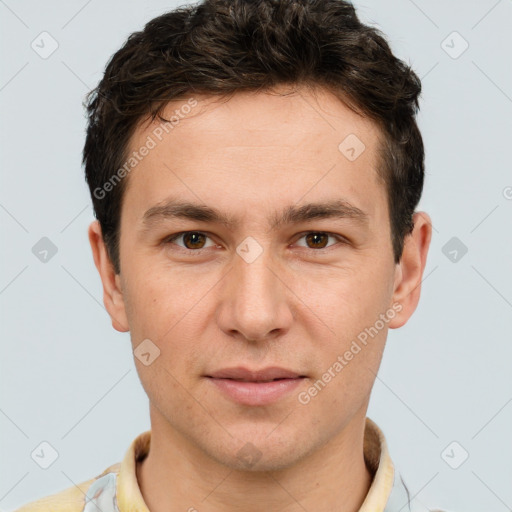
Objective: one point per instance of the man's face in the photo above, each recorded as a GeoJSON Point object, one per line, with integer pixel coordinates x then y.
{"type": "Point", "coordinates": [258, 293]}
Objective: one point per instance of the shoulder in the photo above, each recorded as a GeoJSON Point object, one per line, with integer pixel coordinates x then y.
{"type": "Point", "coordinates": [71, 499]}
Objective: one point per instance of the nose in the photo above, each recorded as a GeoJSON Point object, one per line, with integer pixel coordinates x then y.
{"type": "Point", "coordinates": [255, 304]}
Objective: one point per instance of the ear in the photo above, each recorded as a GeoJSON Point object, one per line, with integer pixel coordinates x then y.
{"type": "Point", "coordinates": [409, 271]}
{"type": "Point", "coordinates": [112, 292]}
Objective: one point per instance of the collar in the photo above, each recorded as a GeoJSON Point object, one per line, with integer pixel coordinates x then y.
{"type": "Point", "coordinates": [117, 489]}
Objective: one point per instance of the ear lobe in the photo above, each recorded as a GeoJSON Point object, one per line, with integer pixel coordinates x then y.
{"type": "Point", "coordinates": [409, 271]}
{"type": "Point", "coordinates": [112, 293]}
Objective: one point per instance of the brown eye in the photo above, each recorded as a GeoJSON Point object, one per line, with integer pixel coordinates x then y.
{"type": "Point", "coordinates": [193, 240]}
{"type": "Point", "coordinates": [196, 240]}
{"type": "Point", "coordinates": [317, 240]}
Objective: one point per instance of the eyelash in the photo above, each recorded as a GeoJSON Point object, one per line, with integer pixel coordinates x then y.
{"type": "Point", "coordinates": [171, 239]}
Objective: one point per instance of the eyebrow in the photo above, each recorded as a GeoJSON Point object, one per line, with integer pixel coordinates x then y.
{"type": "Point", "coordinates": [293, 214]}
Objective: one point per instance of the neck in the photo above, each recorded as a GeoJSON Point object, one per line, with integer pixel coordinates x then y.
{"type": "Point", "coordinates": [175, 476]}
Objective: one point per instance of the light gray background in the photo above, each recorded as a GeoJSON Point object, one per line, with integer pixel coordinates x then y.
{"type": "Point", "coordinates": [69, 379]}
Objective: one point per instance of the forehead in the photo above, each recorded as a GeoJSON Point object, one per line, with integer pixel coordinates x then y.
{"type": "Point", "coordinates": [258, 147]}
{"type": "Point", "coordinates": [279, 118]}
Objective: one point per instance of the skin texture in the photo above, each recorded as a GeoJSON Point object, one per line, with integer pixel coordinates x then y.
{"type": "Point", "coordinates": [296, 306]}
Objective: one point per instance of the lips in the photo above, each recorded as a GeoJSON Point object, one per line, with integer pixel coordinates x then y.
{"type": "Point", "coordinates": [255, 387]}
{"type": "Point", "coordinates": [245, 375]}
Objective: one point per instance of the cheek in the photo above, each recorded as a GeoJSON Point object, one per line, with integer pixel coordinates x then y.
{"type": "Point", "coordinates": [170, 314]}
{"type": "Point", "coordinates": [349, 308]}
{"type": "Point", "coordinates": [347, 299]}
{"type": "Point", "coordinates": [157, 301]}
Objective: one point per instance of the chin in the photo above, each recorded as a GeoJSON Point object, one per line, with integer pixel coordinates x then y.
{"type": "Point", "coordinates": [260, 450]}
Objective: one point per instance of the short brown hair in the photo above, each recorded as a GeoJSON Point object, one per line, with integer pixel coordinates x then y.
{"type": "Point", "coordinates": [219, 47]}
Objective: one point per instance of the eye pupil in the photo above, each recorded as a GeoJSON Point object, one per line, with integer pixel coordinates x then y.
{"type": "Point", "coordinates": [193, 235]}
{"type": "Point", "coordinates": [314, 238]}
